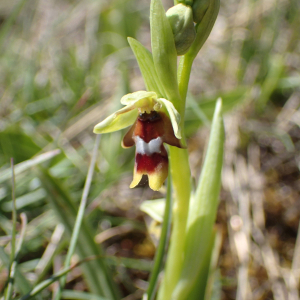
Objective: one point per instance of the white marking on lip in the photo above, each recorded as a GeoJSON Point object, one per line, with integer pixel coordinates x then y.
{"type": "Point", "coordinates": [147, 148]}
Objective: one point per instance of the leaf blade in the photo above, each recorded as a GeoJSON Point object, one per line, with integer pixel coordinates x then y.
{"type": "Point", "coordinates": [146, 64]}
{"type": "Point", "coordinates": [203, 208]}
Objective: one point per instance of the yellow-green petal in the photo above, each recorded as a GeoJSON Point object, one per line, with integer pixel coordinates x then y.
{"type": "Point", "coordinates": [118, 120]}
{"type": "Point", "coordinates": [174, 116]}
{"type": "Point", "coordinates": [132, 98]}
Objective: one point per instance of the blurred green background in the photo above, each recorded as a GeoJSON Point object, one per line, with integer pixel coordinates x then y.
{"type": "Point", "coordinates": [64, 65]}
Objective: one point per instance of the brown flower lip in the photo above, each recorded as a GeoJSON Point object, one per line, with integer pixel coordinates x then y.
{"type": "Point", "coordinates": [148, 133]}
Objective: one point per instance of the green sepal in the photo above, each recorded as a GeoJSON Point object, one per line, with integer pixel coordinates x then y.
{"type": "Point", "coordinates": [203, 28]}
{"type": "Point", "coordinates": [164, 52]}
{"type": "Point", "coordinates": [117, 121]}
{"type": "Point", "coordinates": [180, 17]}
{"type": "Point", "coordinates": [174, 116]}
{"type": "Point", "coordinates": [203, 208]}
{"type": "Point", "coordinates": [146, 64]}
{"type": "Point", "coordinates": [133, 98]}
{"type": "Point", "coordinates": [189, 2]}
{"type": "Point", "coordinates": [199, 9]}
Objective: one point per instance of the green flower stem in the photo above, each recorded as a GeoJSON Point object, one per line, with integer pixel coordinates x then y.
{"type": "Point", "coordinates": [181, 175]}
{"type": "Point", "coordinates": [184, 71]}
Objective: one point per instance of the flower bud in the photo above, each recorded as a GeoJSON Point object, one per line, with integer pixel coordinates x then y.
{"type": "Point", "coordinates": [199, 9]}
{"type": "Point", "coordinates": [181, 19]}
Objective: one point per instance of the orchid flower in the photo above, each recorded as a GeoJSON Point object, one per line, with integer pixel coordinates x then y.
{"type": "Point", "coordinates": [153, 121]}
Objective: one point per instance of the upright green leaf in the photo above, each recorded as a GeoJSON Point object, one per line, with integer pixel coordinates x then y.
{"type": "Point", "coordinates": [146, 64]}
{"type": "Point", "coordinates": [198, 291]}
{"type": "Point", "coordinates": [202, 212]}
{"type": "Point", "coordinates": [203, 29]}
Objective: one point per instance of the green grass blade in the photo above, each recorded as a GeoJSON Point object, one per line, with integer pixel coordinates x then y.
{"type": "Point", "coordinates": [54, 246]}
{"type": "Point", "coordinates": [160, 253]}
{"type": "Point", "coordinates": [21, 167]}
{"type": "Point", "coordinates": [77, 295]}
{"type": "Point", "coordinates": [15, 276]}
{"type": "Point", "coordinates": [271, 82]}
{"type": "Point", "coordinates": [21, 282]}
{"type": "Point", "coordinates": [24, 200]}
{"type": "Point", "coordinates": [13, 262]}
{"type": "Point", "coordinates": [65, 294]}
{"type": "Point", "coordinates": [80, 215]}
{"type": "Point", "coordinates": [14, 213]}
{"type": "Point", "coordinates": [40, 287]}
{"type": "Point", "coordinates": [96, 273]}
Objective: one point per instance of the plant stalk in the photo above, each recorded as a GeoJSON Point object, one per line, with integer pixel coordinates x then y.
{"type": "Point", "coordinates": [181, 179]}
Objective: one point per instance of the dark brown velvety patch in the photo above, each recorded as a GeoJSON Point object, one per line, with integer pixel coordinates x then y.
{"type": "Point", "coordinates": [148, 163]}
